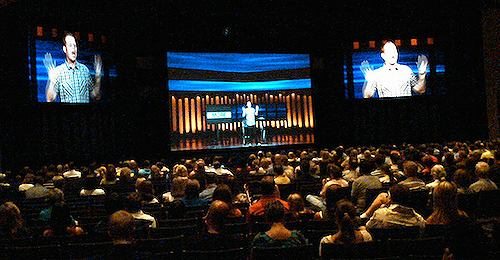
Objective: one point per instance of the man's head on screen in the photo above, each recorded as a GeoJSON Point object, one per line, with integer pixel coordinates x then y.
{"type": "Point", "coordinates": [249, 104]}
{"type": "Point", "coordinates": [390, 53]}
{"type": "Point", "coordinates": [70, 48]}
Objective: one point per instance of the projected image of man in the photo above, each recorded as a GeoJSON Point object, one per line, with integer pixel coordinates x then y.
{"type": "Point", "coordinates": [393, 79]}
{"type": "Point", "coordinates": [72, 81]}
{"type": "Point", "coordinates": [249, 120]}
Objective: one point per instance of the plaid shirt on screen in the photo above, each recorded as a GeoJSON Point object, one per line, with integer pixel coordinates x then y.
{"type": "Point", "coordinates": [73, 85]}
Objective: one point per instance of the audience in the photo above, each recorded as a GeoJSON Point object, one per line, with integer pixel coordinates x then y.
{"type": "Point", "coordinates": [360, 186]}
{"type": "Point", "coordinates": [133, 205]}
{"type": "Point", "coordinates": [280, 177]}
{"type": "Point", "coordinates": [455, 162]}
{"type": "Point", "coordinates": [38, 190]}
{"type": "Point", "coordinates": [445, 205]}
{"type": "Point", "coordinates": [90, 187]}
{"type": "Point", "coordinates": [278, 235]}
{"type": "Point", "coordinates": [192, 194]}
{"type": "Point", "coordinates": [438, 175]}
{"type": "Point", "coordinates": [208, 191]}
{"type": "Point", "coordinates": [177, 191]}
{"type": "Point", "coordinates": [71, 171]}
{"type": "Point", "coordinates": [268, 190]}
{"type": "Point", "coordinates": [412, 182]}
{"type": "Point", "coordinates": [483, 183]}
{"type": "Point", "coordinates": [61, 222]}
{"type": "Point", "coordinates": [331, 197]}
{"type": "Point", "coordinates": [223, 193]}
{"type": "Point", "coordinates": [298, 206]}
{"type": "Point", "coordinates": [109, 176]}
{"type": "Point", "coordinates": [396, 214]}
{"type": "Point", "coordinates": [11, 222]}
{"type": "Point", "coordinates": [121, 227]}
{"type": "Point", "coordinates": [349, 232]}
{"type": "Point", "coordinates": [146, 192]}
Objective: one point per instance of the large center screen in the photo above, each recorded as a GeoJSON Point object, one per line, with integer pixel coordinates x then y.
{"type": "Point", "coordinates": [221, 100]}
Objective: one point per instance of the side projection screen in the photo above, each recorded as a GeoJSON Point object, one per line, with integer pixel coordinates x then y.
{"type": "Point", "coordinates": [77, 72]}
{"type": "Point", "coordinates": [221, 100]}
{"type": "Point", "coordinates": [394, 70]}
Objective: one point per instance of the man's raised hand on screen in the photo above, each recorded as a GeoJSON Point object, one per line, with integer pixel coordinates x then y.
{"type": "Point", "coordinates": [49, 65]}
{"type": "Point", "coordinates": [422, 63]}
{"type": "Point", "coordinates": [366, 69]}
{"type": "Point", "coordinates": [98, 66]}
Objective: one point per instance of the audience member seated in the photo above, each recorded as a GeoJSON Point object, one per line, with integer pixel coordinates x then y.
{"type": "Point", "coordinates": [121, 227]}
{"type": "Point", "coordinates": [113, 203]}
{"type": "Point", "coordinates": [438, 175]}
{"type": "Point", "coordinates": [11, 222]}
{"type": "Point", "coordinates": [335, 174]}
{"type": "Point", "coordinates": [297, 206]}
{"type": "Point", "coordinates": [332, 196]}
{"type": "Point", "coordinates": [126, 180]}
{"type": "Point", "coordinates": [462, 179]}
{"type": "Point", "coordinates": [208, 191]}
{"type": "Point", "coordinates": [219, 171]}
{"type": "Point", "coordinates": [349, 232]}
{"type": "Point", "coordinates": [180, 170]}
{"type": "Point", "coordinates": [351, 167]}
{"type": "Point", "coordinates": [38, 190]}
{"type": "Point", "coordinates": [199, 172]}
{"type": "Point", "coordinates": [109, 176]}
{"type": "Point", "coordinates": [465, 240]}
{"type": "Point", "coordinates": [223, 193]}
{"type": "Point", "coordinates": [53, 198]}
{"type": "Point", "coordinates": [192, 197]}
{"type": "Point", "coordinates": [121, 230]}
{"type": "Point", "coordinates": [215, 236]}
{"type": "Point", "coordinates": [412, 182]}
{"type": "Point", "coordinates": [280, 177]}
{"type": "Point", "coordinates": [133, 205]}
{"type": "Point", "coordinates": [268, 190]}
{"type": "Point", "coordinates": [318, 202]}
{"type": "Point", "coordinates": [27, 183]}
{"type": "Point", "coordinates": [303, 172]}
{"type": "Point", "coordinates": [145, 192]}
{"type": "Point", "coordinates": [145, 171]}
{"type": "Point", "coordinates": [278, 235]}
{"type": "Point", "coordinates": [362, 184]}
{"type": "Point", "coordinates": [378, 172]}
{"type": "Point", "coordinates": [176, 209]}
{"type": "Point", "coordinates": [90, 187]}
{"type": "Point", "coordinates": [445, 205]}
{"type": "Point", "coordinates": [396, 214]}
{"type": "Point", "coordinates": [177, 191]}
{"type": "Point", "coordinates": [61, 223]}
{"type": "Point", "coordinates": [483, 183]}
{"type": "Point", "coordinates": [71, 171]}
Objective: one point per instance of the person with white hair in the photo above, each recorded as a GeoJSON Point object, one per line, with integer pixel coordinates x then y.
{"type": "Point", "coordinates": [483, 183]}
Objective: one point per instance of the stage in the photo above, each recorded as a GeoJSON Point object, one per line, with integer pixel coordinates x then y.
{"type": "Point", "coordinates": [231, 140]}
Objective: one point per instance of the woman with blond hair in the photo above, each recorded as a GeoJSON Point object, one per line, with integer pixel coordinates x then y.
{"type": "Point", "coordinates": [445, 205]}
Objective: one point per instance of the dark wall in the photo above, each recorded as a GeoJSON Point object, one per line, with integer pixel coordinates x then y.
{"type": "Point", "coordinates": [132, 121]}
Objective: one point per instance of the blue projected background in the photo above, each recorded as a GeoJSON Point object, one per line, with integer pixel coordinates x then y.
{"type": "Point", "coordinates": [406, 57]}
{"type": "Point", "coordinates": [237, 72]}
{"type": "Point", "coordinates": [55, 49]}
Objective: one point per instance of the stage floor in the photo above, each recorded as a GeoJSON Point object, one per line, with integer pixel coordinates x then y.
{"type": "Point", "coordinates": [202, 142]}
